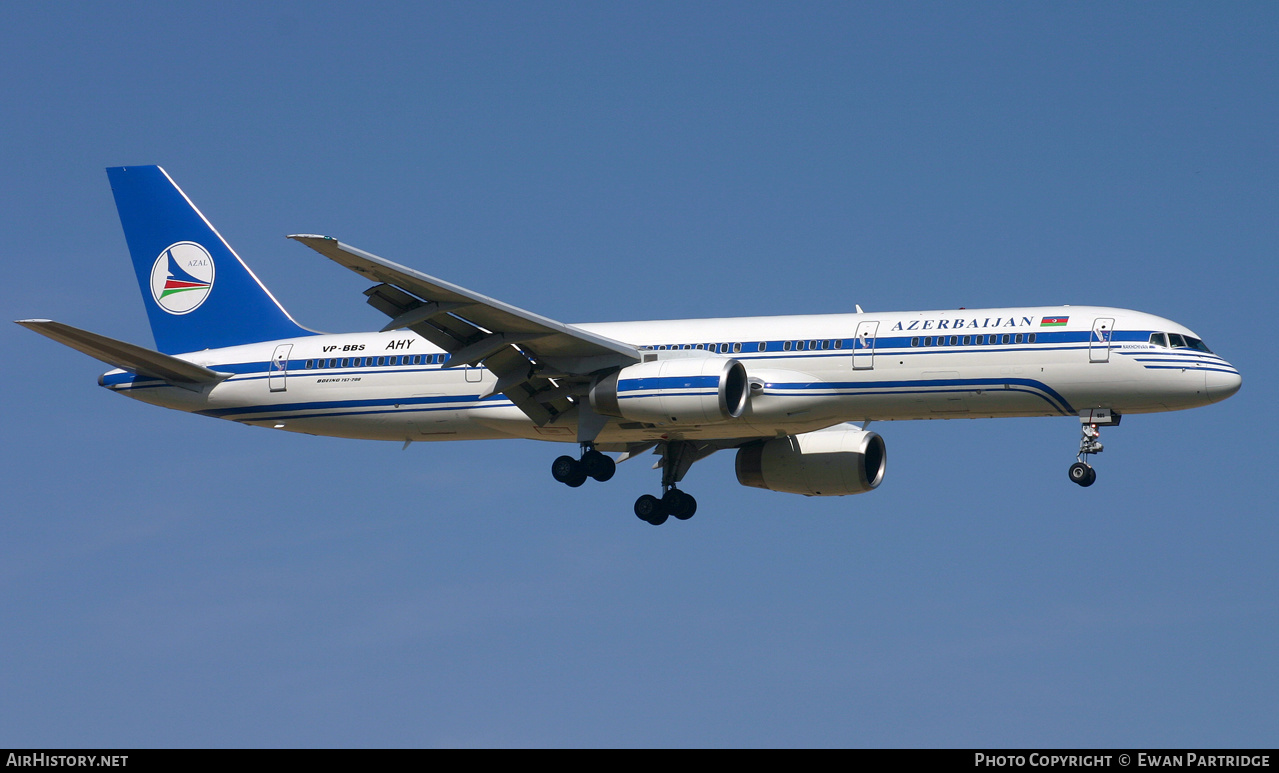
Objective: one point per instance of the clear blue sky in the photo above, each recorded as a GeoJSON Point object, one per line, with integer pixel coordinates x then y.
{"type": "Point", "coordinates": [170, 580]}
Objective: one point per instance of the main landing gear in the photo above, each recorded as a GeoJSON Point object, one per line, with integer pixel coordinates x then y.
{"type": "Point", "coordinates": [674, 502]}
{"type": "Point", "coordinates": [593, 464]}
{"type": "Point", "coordinates": [677, 457]}
{"type": "Point", "coordinates": [1081, 472]}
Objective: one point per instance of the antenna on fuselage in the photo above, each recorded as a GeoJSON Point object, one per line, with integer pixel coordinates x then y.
{"type": "Point", "coordinates": [859, 308]}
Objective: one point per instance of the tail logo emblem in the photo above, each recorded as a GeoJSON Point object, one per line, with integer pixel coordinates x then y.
{"type": "Point", "coordinates": [182, 277]}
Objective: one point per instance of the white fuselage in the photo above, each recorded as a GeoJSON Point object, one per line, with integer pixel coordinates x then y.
{"type": "Point", "coordinates": [807, 372]}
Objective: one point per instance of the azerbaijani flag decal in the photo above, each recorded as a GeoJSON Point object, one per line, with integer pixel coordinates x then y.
{"type": "Point", "coordinates": [1054, 321]}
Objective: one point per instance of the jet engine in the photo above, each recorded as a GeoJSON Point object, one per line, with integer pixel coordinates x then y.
{"type": "Point", "coordinates": [827, 463]}
{"type": "Point", "coordinates": [681, 390]}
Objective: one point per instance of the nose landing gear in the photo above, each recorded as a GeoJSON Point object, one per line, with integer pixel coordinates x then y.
{"type": "Point", "coordinates": [1081, 472]}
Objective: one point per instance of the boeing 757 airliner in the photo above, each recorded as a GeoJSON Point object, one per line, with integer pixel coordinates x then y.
{"type": "Point", "coordinates": [452, 364]}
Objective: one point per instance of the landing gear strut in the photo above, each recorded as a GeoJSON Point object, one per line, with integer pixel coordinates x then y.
{"type": "Point", "coordinates": [592, 464]}
{"type": "Point", "coordinates": [1081, 472]}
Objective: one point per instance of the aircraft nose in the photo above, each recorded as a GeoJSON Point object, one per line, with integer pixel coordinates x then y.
{"type": "Point", "coordinates": [1222, 383]}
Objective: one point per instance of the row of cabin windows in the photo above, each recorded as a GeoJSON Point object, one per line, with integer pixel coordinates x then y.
{"type": "Point", "coordinates": [1173, 340]}
{"type": "Point", "coordinates": [374, 362]}
{"type": "Point", "coordinates": [721, 348]}
{"type": "Point", "coordinates": [1006, 338]}
{"type": "Point", "coordinates": [800, 346]}
{"type": "Point", "coordinates": [726, 348]}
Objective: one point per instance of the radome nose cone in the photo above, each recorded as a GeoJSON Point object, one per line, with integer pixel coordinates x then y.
{"type": "Point", "coordinates": [1222, 384]}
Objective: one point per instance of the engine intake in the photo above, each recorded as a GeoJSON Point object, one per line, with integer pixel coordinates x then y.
{"type": "Point", "coordinates": [827, 463]}
{"type": "Point", "coordinates": [683, 390]}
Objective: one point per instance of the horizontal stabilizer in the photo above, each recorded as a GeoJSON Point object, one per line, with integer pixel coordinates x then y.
{"type": "Point", "coordinates": [136, 359]}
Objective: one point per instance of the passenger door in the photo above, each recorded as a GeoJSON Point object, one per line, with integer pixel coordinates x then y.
{"type": "Point", "coordinates": [864, 346]}
{"type": "Point", "coordinates": [279, 368]}
{"type": "Point", "coordinates": [1103, 332]}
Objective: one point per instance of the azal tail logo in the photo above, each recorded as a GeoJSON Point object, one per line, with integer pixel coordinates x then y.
{"type": "Point", "coordinates": [182, 277]}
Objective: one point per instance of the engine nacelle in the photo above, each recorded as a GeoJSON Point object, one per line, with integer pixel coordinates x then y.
{"type": "Point", "coordinates": [681, 390]}
{"type": "Point", "coordinates": [827, 463]}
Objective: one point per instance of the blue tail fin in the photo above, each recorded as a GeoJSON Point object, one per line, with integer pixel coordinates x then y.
{"type": "Point", "coordinates": [198, 293]}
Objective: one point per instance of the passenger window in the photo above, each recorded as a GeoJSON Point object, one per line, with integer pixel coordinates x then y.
{"type": "Point", "coordinates": [1017, 339]}
{"type": "Point", "coordinates": [914, 342]}
{"type": "Point", "coordinates": [839, 343]}
{"type": "Point", "coordinates": [967, 340]}
{"type": "Point", "coordinates": [786, 346]}
{"type": "Point", "coordinates": [762, 346]}
{"type": "Point", "coordinates": [1030, 338]}
{"type": "Point", "coordinates": [737, 348]}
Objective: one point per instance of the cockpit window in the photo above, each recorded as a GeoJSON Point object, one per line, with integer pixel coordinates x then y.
{"type": "Point", "coordinates": [1196, 344]}
{"type": "Point", "coordinates": [1179, 341]}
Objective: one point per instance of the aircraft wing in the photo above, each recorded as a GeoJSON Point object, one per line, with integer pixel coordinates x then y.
{"type": "Point", "coordinates": [538, 362]}
{"type": "Point", "coordinates": [126, 356]}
